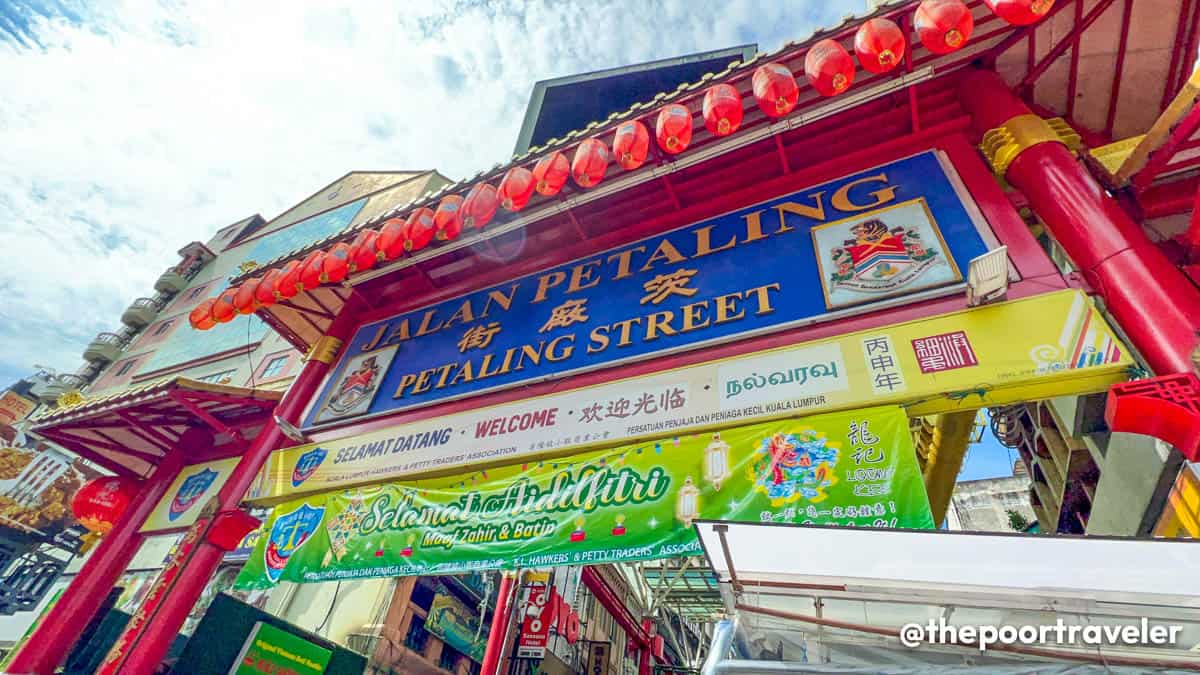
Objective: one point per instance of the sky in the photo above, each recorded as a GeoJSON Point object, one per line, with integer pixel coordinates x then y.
{"type": "Point", "coordinates": [131, 127]}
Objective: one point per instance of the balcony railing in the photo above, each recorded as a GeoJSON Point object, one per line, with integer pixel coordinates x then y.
{"type": "Point", "coordinates": [141, 312]}
{"type": "Point", "coordinates": [105, 347]}
{"type": "Point", "coordinates": [171, 281]}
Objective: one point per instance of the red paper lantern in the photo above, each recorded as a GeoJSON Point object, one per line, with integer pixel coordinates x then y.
{"type": "Point", "coordinates": [313, 267]}
{"type": "Point", "coordinates": [201, 315]}
{"type": "Point", "coordinates": [223, 310]}
{"type": "Point", "coordinates": [829, 68]}
{"type": "Point", "coordinates": [590, 163]}
{"type": "Point", "coordinates": [243, 300]}
{"type": "Point", "coordinates": [775, 89]}
{"type": "Point", "coordinates": [879, 45]}
{"type": "Point", "coordinates": [479, 206]}
{"type": "Point", "coordinates": [722, 109]}
{"type": "Point", "coordinates": [1020, 12]}
{"type": "Point", "coordinates": [288, 283]}
{"type": "Point", "coordinates": [673, 128]}
{"type": "Point", "coordinates": [943, 25]}
{"type": "Point", "coordinates": [419, 229]}
{"type": "Point", "coordinates": [101, 501]}
{"type": "Point", "coordinates": [551, 174]}
{"type": "Point", "coordinates": [265, 294]}
{"type": "Point", "coordinates": [631, 144]}
{"type": "Point", "coordinates": [390, 243]}
{"type": "Point", "coordinates": [445, 218]}
{"type": "Point", "coordinates": [336, 265]}
{"type": "Point", "coordinates": [362, 251]}
{"type": "Point", "coordinates": [516, 188]}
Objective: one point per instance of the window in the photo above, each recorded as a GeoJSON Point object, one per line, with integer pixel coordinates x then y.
{"type": "Point", "coordinates": [195, 292]}
{"type": "Point", "coordinates": [274, 367]}
{"type": "Point", "coordinates": [416, 637]}
{"type": "Point", "coordinates": [223, 377]}
{"type": "Point", "coordinates": [449, 658]}
{"type": "Point", "coordinates": [126, 367]}
{"type": "Point", "coordinates": [164, 327]}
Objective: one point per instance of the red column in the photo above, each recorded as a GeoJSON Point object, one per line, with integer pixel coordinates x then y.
{"type": "Point", "coordinates": [500, 622]}
{"type": "Point", "coordinates": [1154, 303]}
{"type": "Point", "coordinates": [53, 638]}
{"type": "Point", "coordinates": [143, 647]}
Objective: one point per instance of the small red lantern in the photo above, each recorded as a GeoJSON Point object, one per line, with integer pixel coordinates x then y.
{"type": "Point", "coordinates": [1020, 12]}
{"type": "Point", "coordinates": [362, 251]}
{"type": "Point", "coordinates": [287, 285]}
{"type": "Point", "coordinates": [336, 265]}
{"type": "Point", "coordinates": [879, 45]}
{"type": "Point", "coordinates": [631, 144]}
{"type": "Point", "coordinates": [266, 294]}
{"type": "Point", "coordinates": [722, 109]}
{"type": "Point", "coordinates": [222, 309]}
{"type": "Point", "coordinates": [590, 163]}
{"type": "Point", "coordinates": [390, 243]}
{"type": "Point", "coordinates": [943, 25]}
{"type": "Point", "coordinates": [243, 300]}
{"type": "Point", "coordinates": [419, 229]}
{"type": "Point", "coordinates": [551, 173]}
{"type": "Point", "coordinates": [516, 188]}
{"type": "Point", "coordinates": [674, 128]}
{"type": "Point", "coordinates": [201, 315]}
{"type": "Point", "coordinates": [829, 68]}
{"type": "Point", "coordinates": [775, 89]}
{"type": "Point", "coordinates": [312, 269]}
{"type": "Point", "coordinates": [479, 206]}
{"type": "Point", "coordinates": [100, 503]}
{"type": "Point", "coordinates": [445, 218]}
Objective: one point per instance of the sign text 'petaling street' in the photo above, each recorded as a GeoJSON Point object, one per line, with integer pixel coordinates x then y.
{"type": "Point", "coordinates": [891, 231]}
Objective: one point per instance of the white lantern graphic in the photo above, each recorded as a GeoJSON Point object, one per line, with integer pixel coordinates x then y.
{"type": "Point", "coordinates": [687, 502]}
{"type": "Point", "coordinates": [716, 462]}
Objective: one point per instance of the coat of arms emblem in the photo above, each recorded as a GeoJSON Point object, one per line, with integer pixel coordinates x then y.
{"type": "Point", "coordinates": [190, 492]}
{"type": "Point", "coordinates": [289, 532]}
{"type": "Point", "coordinates": [880, 254]}
{"type": "Point", "coordinates": [307, 465]}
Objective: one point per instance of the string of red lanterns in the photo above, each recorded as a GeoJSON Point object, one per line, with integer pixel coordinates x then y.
{"type": "Point", "coordinates": [942, 27]}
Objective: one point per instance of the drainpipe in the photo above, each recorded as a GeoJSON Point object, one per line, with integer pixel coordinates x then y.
{"type": "Point", "coordinates": [1151, 299]}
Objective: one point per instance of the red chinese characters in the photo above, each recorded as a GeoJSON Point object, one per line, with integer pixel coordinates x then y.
{"type": "Point", "coordinates": [947, 351]}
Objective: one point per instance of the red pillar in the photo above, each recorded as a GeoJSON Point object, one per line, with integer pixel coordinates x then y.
{"type": "Point", "coordinates": [51, 641]}
{"type": "Point", "coordinates": [143, 646]}
{"type": "Point", "coordinates": [500, 622]}
{"type": "Point", "coordinates": [1154, 303]}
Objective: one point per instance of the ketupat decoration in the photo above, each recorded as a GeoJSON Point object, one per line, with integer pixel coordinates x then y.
{"type": "Point", "coordinates": [341, 527]}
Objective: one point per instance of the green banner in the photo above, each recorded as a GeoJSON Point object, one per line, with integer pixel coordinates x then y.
{"type": "Point", "coordinates": [456, 624]}
{"type": "Point", "coordinates": [271, 650]}
{"type": "Point", "coordinates": [633, 502]}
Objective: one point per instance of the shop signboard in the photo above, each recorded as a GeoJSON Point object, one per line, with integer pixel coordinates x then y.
{"type": "Point", "coordinates": [14, 408]}
{"type": "Point", "coordinates": [456, 624]}
{"type": "Point", "coordinates": [185, 499]}
{"type": "Point", "coordinates": [278, 652]}
{"type": "Point", "coordinates": [535, 622]}
{"type": "Point", "coordinates": [598, 657]}
{"type": "Point", "coordinates": [1038, 347]}
{"type": "Point", "coordinates": [898, 232]}
{"type": "Point", "coordinates": [631, 502]}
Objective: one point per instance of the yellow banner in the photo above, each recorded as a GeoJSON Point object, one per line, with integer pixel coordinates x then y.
{"type": "Point", "coordinates": [1039, 347]}
{"type": "Point", "coordinates": [185, 499]}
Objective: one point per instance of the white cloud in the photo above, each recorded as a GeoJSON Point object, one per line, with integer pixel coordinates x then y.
{"type": "Point", "coordinates": [146, 125]}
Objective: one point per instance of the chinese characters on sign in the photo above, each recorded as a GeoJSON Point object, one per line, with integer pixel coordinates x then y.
{"type": "Point", "coordinates": [883, 365]}
{"type": "Point", "coordinates": [944, 352]}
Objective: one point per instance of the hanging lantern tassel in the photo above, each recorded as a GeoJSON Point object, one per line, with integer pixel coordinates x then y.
{"type": "Point", "coordinates": [479, 206]}
{"type": "Point", "coordinates": [1020, 12]}
{"type": "Point", "coordinates": [551, 174]}
{"type": "Point", "coordinates": [631, 144]}
{"type": "Point", "coordinates": [674, 128]}
{"type": "Point", "coordinates": [943, 26]}
{"type": "Point", "coordinates": [829, 68]}
{"type": "Point", "coordinates": [419, 230]}
{"type": "Point", "coordinates": [775, 89]}
{"type": "Point", "coordinates": [590, 163]}
{"type": "Point", "coordinates": [516, 188]}
{"type": "Point", "coordinates": [722, 109]}
{"type": "Point", "coordinates": [201, 316]}
{"type": "Point", "coordinates": [445, 218]}
{"type": "Point", "coordinates": [879, 45]}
